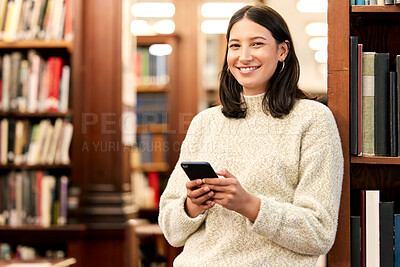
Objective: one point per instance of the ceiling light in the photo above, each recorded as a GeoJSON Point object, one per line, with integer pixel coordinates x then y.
{"type": "Point", "coordinates": [164, 26]}
{"type": "Point", "coordinates": [160, 49]}
{"type": "Point", "coordinates": [321, 56]}
{"type": "Point", "coordinates": [139, 27]}
{"type": "Point", "coordinates": [312, 6]}
{"type": "Point", "coordinates": [320, 43]}
{"type": "Point", "coordinates": [220, 10]}
{"type": "Point", "coordinates": [214, 26]}
{"type": "Point", "coordinates": [317, 29]}
{"type": "Point", "coordinates": [153, 10]}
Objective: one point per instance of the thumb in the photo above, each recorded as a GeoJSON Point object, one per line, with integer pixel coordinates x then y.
{"type": "Point", "coordinates": [224, 172]}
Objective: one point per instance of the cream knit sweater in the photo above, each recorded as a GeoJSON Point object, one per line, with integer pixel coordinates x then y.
{"type": "Point", "coordinates": [294, 165]}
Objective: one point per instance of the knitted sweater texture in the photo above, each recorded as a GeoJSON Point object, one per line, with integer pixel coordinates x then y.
{"type": "Point", "coordinates": [294, 165]}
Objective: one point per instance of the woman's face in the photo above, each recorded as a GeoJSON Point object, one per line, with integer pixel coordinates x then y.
{"type": "Point", "coordinates": [253, 55]}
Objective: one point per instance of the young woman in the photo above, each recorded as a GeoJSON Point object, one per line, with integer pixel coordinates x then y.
{"type": "Point", "coordinates": [279, 154]}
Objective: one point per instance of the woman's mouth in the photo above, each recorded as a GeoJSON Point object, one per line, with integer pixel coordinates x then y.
{"type": "Point", "coordinates": [247, 69]}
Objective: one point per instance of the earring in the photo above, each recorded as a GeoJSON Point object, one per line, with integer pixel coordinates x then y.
{"type": "Point", "coordinates": [228, 71]}
{"type": "Point", "coordinates": [283, 66]}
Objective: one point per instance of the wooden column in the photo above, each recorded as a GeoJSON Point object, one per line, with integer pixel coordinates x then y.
{"type": "Point", "coordinates": [339, 103]}
{"type": "Point", "coordinates": [185, 99]}
{"type": "Point", "coordinates": [101, 165]}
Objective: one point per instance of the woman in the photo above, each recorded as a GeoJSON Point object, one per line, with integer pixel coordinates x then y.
{"type": "Point", "coordinates": [279, 154]}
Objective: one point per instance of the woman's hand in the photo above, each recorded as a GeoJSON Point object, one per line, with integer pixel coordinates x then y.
{"type": "Point", "coordinates": [231, 195]}
{"type": "Point", "coordinates": [198, 198]}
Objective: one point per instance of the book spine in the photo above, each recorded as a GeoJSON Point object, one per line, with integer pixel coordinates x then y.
{"type": "Point", "coordinates": [353, 95]}
{"type": "Point", "coordinates": [368, 103]}
{"type": "Point", "coordinates": [397, 240]}
{"type": "Point", "coordinates": [382, 124]}
{"type": "Point", "coordinates": [393, 115]}
{"type": "Point", "coordinates": [397, 63]}
{"type": "Point", "coordinates": [372, 246]}
{"type": "Point", "coordinates": [355, 241]}
{"type": "Point", "coordinates": [386, 233]}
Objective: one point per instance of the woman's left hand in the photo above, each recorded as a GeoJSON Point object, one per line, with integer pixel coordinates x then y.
{"type": "Point", "coordinates": [231, 195]}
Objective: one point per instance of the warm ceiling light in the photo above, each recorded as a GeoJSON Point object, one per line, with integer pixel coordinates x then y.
{"type": "Point", "coordinates": [220, 10]}
{"type": "Point", "coordinates": [317, 29]}
{"type": "Point", "coordinates": [139, 27]}
{"type": "Point", "coordinates": [312, 6]}
{"type": "Point", "coordinates": [214, 26]}
{"type": "Point", "coordinates": [320, 43]}
{"type": "Point", "coordinates": [321, 56]}
{"type": "Point", "coordinates": [160, 49]}
{"type": "Point", "coordinates": [153, 10]}
{"type": "Point", "coordinates": [164, 26]}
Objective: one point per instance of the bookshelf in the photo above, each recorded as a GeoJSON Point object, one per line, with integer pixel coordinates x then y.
{"type": "Point", "coordinates": [376, 27]}
{"type": "Point", "coordinates": [62, 236]}
{"type": "Point", "coordinates": [156, 90]}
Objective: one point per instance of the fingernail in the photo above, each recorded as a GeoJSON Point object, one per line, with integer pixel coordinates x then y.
{"type": "Point", "coordinates": [210, 194]}
{"type": "Point", "coordinates": [206, 189]}
{"type": "Point", "coordinates": [208, 202]}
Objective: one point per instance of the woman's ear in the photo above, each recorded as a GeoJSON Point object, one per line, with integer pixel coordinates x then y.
{"type": "Point", "coordinates": [284, 50]}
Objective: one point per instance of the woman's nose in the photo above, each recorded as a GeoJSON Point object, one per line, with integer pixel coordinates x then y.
{"type": "Point", "coordinates": [245, 55]}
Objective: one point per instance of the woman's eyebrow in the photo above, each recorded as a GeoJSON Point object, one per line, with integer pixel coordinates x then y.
{"type": "Point", "coordinates": [252, 38]}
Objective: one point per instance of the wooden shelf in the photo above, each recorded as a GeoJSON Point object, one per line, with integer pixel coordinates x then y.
{"type": "Point", "coordinates": [154, 167]}
{"type": "Point", "coordinates": [35, 114]}
{"type": "Point", "coordinates": [34, 167]}
{"type": "Point", "coordinates": [376, 160]}
{"type": "Point", "coordinates": [156, 39]}
{"type": "Point", "coordinates": [37, 44]}
{"type": "Point", "coordinates": [39, 234]}
{"type": "Point", "coordinates": [152, 88]}
{"type": "Point", "coordinates": [56, 263]}
{"type": "Point", "coordinates": [152, 128]}
{"type": "Point", "coordinates": [375, 9]}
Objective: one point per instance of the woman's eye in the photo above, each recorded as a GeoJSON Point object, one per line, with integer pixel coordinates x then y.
{"type": "Point", "coordinates": [233, 46]}
{"type": "Point", "coordinates": [258, 44]}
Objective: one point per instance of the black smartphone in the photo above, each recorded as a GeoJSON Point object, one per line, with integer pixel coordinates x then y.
{"type": "Point", "coordinates": [198, 170]}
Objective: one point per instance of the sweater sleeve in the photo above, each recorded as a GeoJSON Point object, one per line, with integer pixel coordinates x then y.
{"type": "Point", "coordinates": [308, 224]}
{"type": "Point", "coordinates": [176, 225]}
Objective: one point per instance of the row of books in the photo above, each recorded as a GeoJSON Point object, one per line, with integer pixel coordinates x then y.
{"type": "Point", "coordinates": [33, 198]}
{"type": "Point", "coordinates": [44, 142]}
{"type": "Point", "coordinates": [151, 108]}
{"type": "Point", "coordinates": [150, 69]}
{"type": "Point", "coordinates": [374, 102]}
{"type": "Point", "coordinates": [375, 234]}
{"type": "Point", "coordinates": [33, 83]}
{"type": "Point", "coordinates": [36, 19]}
{"type": "Point", "coordinates": [374, 2]}
{"type": "Point", "coordinates": [10, 252]}
{"type": "Point", "coordinates": [146, 189]}
{"type": "Point", "coordinates": [153, 147]}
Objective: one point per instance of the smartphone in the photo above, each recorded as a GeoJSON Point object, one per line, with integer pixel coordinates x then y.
{"type": "Point", "coordinates": [198, 170]}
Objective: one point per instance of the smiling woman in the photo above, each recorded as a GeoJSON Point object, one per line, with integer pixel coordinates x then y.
{"type": "Point", "coordinates": [278, 157]}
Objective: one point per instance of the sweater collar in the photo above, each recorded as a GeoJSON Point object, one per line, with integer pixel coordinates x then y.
{"type": "Point", "coordinates": [254, 102]}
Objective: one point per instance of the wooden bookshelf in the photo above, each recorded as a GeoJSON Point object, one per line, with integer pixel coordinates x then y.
{"type": "Point", "coordinates": [359, 172]}
{"type": "Point", "coordinates": [38, 44]}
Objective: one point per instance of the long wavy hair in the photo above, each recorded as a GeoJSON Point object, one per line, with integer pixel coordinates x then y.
{"type": "Point", "coordinates": [282, 89]}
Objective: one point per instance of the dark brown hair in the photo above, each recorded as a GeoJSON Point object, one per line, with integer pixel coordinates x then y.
{"type": "Point", "coordinates": [283, 89]}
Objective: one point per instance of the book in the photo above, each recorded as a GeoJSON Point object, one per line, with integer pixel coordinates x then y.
{"type": "Point", "coordinates": [355, 241]}
{"type": "Point", "coordinates": [54, 70]}
{"type": "Point", "coordinates": [386, 233]}
{"type": "Point", "coordinates": [393, 118]}
{"type": "Point", "coordinates": [397, 240]}
{"type": "Point", "coordinates": [381, 105]}
{"type": "Point", "coordinates": [397, 65]}
{"type": "Point", "coordinates": [64, 88]}
{"type": "Point", "coordinates": [4, 142]}
{"type": "Point", "coordinates": [154, 183]}
{"type": "Point", "coordinates": [368, 103]}
{"type": "Point", "coordinates": [372, 246]}
{"type": "Point", "coordinates": [5, 90]}
{"type": "Point", "coordinates": [354, 96]}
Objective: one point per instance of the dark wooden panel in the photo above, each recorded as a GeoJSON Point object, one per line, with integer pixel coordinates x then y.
{"type": "Point", "coordinates": [338, 102]}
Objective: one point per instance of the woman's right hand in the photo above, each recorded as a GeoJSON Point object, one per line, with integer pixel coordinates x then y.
{"type": "Point", "coordinates": [198, 198]}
